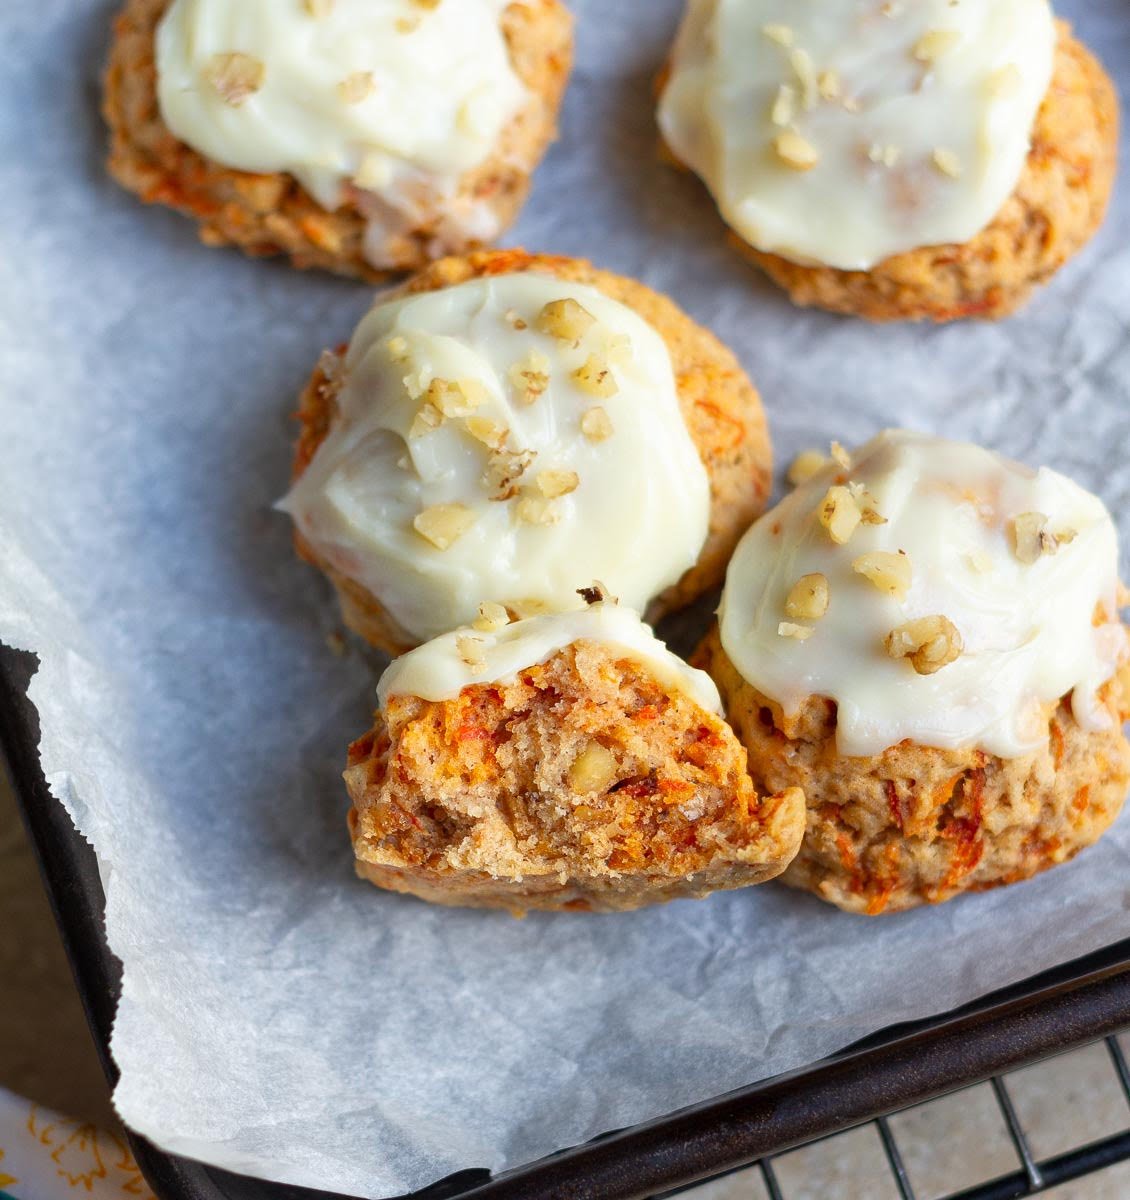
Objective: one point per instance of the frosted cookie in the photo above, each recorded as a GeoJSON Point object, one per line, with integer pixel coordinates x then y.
{"type": "Point", "coordinates": [511, 426]}
{"type": "Point", "coordinates": [895, 160]}
{"type": "Point", "coordinates": [567, 761]}
{"type": "Point", "coordinates": [925, 638]}
{"type": "Point", "coordinates": [360, 136]}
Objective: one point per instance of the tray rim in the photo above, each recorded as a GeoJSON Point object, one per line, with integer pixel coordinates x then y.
{"type": "Point", "coordinates": [902, 1065]}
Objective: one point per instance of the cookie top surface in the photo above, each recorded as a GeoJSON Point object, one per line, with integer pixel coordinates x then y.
{"type": "Point", "coordinates": [936, 591]}
{"type": "Point", "coordinates": [495, 651]}
{"type": "Point", "coordinates": [849, 131]}
{"type": "Point", "coordinates": [393, 97]}
{"type": "Point", "coordinates": [509, 439]}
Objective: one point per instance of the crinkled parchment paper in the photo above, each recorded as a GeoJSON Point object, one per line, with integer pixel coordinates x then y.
{"type": "Point", "coordinates": [278, 1016]}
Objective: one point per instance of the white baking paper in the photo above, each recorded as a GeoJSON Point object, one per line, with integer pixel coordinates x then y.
{"type": "Point", "coordinates": [278, 1016]}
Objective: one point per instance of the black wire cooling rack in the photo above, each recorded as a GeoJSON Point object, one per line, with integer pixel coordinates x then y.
{"type": "Point", "coordinates": [1033, 1175]}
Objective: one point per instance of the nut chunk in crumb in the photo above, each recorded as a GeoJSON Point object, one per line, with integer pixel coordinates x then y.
{"type": "Point", "coordinates": [567, 761]}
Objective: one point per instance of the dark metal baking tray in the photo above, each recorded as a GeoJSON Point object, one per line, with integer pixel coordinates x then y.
{"type": "Point", "coordinates": [1082, 1000]}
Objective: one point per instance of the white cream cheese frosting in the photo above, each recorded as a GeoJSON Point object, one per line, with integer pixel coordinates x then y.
{"type": "Point", "coordinates": [508, 439]}
{"type": "Point", "coordinates": [843, 132]}
{"type": "Point", "coordinates": [1022, 563]}
{"type": "Point", "coordinates": [393, 99]}
{"type": "Point", "coordinates": [441, 668]}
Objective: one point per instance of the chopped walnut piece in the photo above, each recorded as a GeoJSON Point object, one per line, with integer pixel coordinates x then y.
{"type": "Point", "coordinates": [357, 87]}
{"type": "Point", "coordinates": [929, 642]}
{"type": "Point", "coordinates": [839, 514]}
{"type": "Point", "coordinates": [491, 618]}
{"type": "Point", "coordinates": [808, 598]}
{"type": "Point", "coordinates": [235, 76]}
{"type": "Point", "coordinates": [565, 320]}
{"type": "Point", "coordinates": [890, 573]}
{"type": "Point", "coordinates": [1005, 82]}
{"type": "Point", "coordinates": [595, 377]}
{"type": "Point", "coordinates": [1031, 537]}
{"type": "Point", "coordinates": [592, 770]}
{"type": "Point", "coordinates": [397, 347]}
{"type": "Point", "coordinates": [458, 398]}
{"type": "Point", "coordinates": [947, 162]}
{"type": "Point", "coordinates": [596, 425]}
{"type": "Point", "coordinates": [407, 24]}
{"type": "Point", "coordinates": [484, 430]}
{"type": "Point", "coordinates": [554, 482]}
{"type": "Point", "coordinates": [829, 84]}
{"type": "Point", "coordinates": [596, 594]}
{"type": "Point", "coordinates": [781, 34]}
{"type": "Point", "coordinates": [886, 155]}
{"type": "Point", "coordinates": [840, 456]}
{"type": "Point", "coordinates": [427, 3]}
{"type": "Point", "coordinates": [806, 464]}
{"type": "Point", "coordinates": [514, 320]}
{"type": "Point", "coordinates": [427, 419]}
{"type": "Point", "coordinates": [800, 633]}
{"type": "Point", "coordinates": [933, 44]}
{"type": "Point", "coordinates": [504, 470]}
{"type": "Point", "coordinates": [784, 106]}
{"type": "Point", "coordinates": [795, 152]}
{"type": "Point", "coordinates": [530, 377]}
{"type": "Point", "coordinates": [318, 8]}
{"type": "Point", "coordinates": [537, 510]}
{"type": "Point", "coordinates": [472, 652]}
{"type": "Point", "coordinates": [979, 562]}
{"type": "Point", "coordinates": [801, 63]}
{"type": "Point", "coordinates": [443, 524]}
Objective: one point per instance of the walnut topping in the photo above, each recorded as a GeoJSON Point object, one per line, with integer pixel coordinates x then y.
{"type": "Point", "coordinates": [829, 84]}
{"type": "Point", "coordinates": [492, 617]}
{"type": "Point", "coordinates": [443, 524]}
{"type": "Point", "coordinates": [514, 320]}
{"type": "Point", "coordinates": [1031, 538]}
{"type": "Point", "coordinates": [806, 464]}
{"type": "Point", "coordinates": [890, 573]}
{"type": "Point", "coordinates": [886, 155]}
{"type": "Point", "coordinates": [427, 419]}
{"type": "Point", "coordinates": [471, 651]}
{"type": "Point", "coordinates": [840, 456]}
{"type": "Point", "coordinates": [357, 87]}
{"type": "Point", "coordinates": [784, 106]}
{"type": "Point", "coordinates": [595, 377]}
{"type": "Point", "coordinates": [553, 482]}
{"type": "Point", "coordinates": [808, 598]}
{"type": "Point", "coordinates": [530, 377]}
{"type": "Point", "coordinates": [484, 430]}
{"type": "Point", "coordinates": [592, 770]}
{"type": "Point", "coordinates": [781, 34]}
{"type": "Point", "coordinates": [407, 24]}
{"type": "Point", "coordinates": [929, 642]}
{"type": "Point", "coordinates": [504, 470]}
{"type": "Point", "coordinates": [933, 44]}
{"type": "Point", "coordinates": [397, 348]}
{"type": "Point", "coordinates": [947, 162]}
{"type": "Point", "coordinates": [596, 425]}
{"type": "Point", "coordinates": [801, 63]}
{"type": "Point", "coordinates": [537, 510]}
{"type": "Point", "coordinates": [458, 398]}
{"type": "Point", "coordinates": [427, 3]}
{"type": "Point", "coordinates": [979, 562]}
{"type": "Point", "coordinates": [800, 633]}
{"type": "Point", "coordinates": [1005, 82]}
{"type": "Point", "coordinates": [235, 76]}
{"type": "Point", "coordinates": [318, 8]}
{"type": "Point", "coordinates": [565, 320]}
{"type": "Point", "coordinates": [596, 594]}
{"type": "Point", "coordinates": [794, 151]}
{"type": "Point", "coordinates": [839, 514]}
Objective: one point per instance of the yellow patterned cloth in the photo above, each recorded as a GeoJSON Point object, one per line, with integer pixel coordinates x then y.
{"type": "Point", "coordinates": [44, 1156]}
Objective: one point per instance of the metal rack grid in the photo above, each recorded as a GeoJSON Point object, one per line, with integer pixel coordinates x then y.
{"type": "Point", "coordinates": [1033, 1176]}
